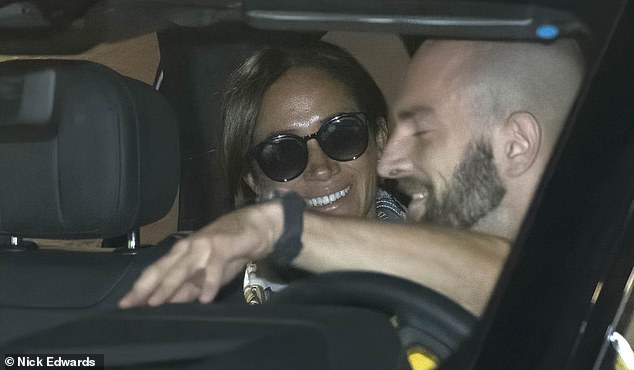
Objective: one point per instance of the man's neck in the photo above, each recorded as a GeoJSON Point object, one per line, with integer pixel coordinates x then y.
{"type": "Point", "coordinates": [507, 218]}
{"type": "Point", "coordinates": [501, 222]}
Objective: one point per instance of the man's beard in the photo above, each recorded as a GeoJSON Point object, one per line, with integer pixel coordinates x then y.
{"type": "Point", "coordinates": [474, 190]}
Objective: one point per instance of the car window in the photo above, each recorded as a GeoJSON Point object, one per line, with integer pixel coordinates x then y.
{"type": "Point", "coordinates": [493, 187]}
{"type": "Point", "coordinates": [194, 57]}
{"type": "Point", "coordinates": [617, 350]}
{"type": "Point", "coordinates": [139, 58]}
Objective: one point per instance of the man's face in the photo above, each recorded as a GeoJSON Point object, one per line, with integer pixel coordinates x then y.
{"type": "Point", "coordinates": [438, 151]}
{"type": "Point", "coordinates": [473, 190]}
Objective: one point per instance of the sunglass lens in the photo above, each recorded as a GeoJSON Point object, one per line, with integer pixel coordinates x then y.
{"type": "Point", "coordinates": [283, 159]}
{"type": "Point", "coordinates": [345, 138]}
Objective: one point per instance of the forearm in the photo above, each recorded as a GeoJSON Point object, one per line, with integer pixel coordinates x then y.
{"type": "Point", "coordinates": [461, 265]}
{"type": "Point", "coordinates": [197, 266]}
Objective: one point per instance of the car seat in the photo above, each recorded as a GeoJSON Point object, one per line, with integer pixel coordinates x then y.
{"type": "Point", "coordinates": [84, 153]}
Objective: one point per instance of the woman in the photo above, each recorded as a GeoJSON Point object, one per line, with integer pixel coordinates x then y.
{"type": "Point", "coordinates": [276, 103]}
{"type": "Point", "coordinates": [281, 95]}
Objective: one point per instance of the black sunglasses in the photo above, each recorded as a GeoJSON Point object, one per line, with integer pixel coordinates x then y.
{"type": "Point", "coordinates": [283, 157]}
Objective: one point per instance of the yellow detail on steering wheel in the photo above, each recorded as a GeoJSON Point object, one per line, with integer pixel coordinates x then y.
{"type": "Point", "coordinates": [421, 359]}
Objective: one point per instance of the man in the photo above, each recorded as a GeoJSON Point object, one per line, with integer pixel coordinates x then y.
{"type": "Point", "coordinates": [476, 124]}
{"type": "Point", "coordinates": [473, 130]}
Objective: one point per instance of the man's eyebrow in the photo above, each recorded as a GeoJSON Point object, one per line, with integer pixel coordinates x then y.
{"type": "Point", "coordinates": [414, 112]}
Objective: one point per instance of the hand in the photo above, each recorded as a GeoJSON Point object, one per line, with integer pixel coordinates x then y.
{"type": "Point", "coordinates": [197, 266]}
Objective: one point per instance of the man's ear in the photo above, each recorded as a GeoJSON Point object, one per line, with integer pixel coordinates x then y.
{"type": "Point", "coordinates": [523, 136]}
{"type": "Point", "coordinates": [381, 136]}
{"type": "Point", "coordinates": [248, 178]}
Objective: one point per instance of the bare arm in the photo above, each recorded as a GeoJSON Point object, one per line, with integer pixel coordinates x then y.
{"type": "Point", "coordinates": [197, 266]}
{"type": "Point", "coordinates": [461, 265]}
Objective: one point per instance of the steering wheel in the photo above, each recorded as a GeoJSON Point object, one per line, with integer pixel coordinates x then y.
{"type": "Point", "coordinates": [426, 320]}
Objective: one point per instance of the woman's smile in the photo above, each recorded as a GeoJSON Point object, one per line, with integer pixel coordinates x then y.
{"type": "Point", "coordinates": [324, 200]}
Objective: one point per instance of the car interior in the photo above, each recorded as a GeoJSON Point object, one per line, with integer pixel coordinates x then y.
{"type": "Point", "coordinates": [109, 149]}
{"type": "Point", "coordinates": [110, 166]}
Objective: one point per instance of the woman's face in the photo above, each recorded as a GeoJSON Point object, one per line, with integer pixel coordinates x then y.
{"type": "Point", "coordinates": [299, 103]}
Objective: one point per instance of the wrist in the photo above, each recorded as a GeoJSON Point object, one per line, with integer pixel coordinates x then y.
{"type": "Point", "coordinates": [271, 230]}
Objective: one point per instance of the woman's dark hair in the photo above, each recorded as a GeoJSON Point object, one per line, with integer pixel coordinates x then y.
{"type": "Point", "coordinates": [248, 84]}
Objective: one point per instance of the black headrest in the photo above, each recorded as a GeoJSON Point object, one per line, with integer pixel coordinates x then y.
{"type": "Point", "coordinates": [84, 151]}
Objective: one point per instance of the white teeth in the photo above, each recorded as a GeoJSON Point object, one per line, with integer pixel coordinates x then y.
{"type": "Point", "coordinates": [327, 199]}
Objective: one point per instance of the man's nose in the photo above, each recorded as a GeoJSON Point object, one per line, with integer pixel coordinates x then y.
{"type": "Point", "coordinates": [395, 162]}
{"type": "Point", "coordinates": [319, 166]}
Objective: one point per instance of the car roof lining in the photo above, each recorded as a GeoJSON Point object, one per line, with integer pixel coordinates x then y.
{"type": "Point", "coordinates": [70, 27]}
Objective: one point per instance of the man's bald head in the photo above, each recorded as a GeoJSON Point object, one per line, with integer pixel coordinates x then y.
{"type": "Point", "coordinates": [506, 77]}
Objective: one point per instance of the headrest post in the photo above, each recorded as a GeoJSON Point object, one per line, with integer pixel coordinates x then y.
{"type": "Point", "coordinates": [133, 240]}
{"type": "Point", "coordinates": [16, 244]}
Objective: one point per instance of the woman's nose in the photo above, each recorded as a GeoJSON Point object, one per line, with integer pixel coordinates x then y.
{"type": "Point", "coordinates": [319, 166]}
